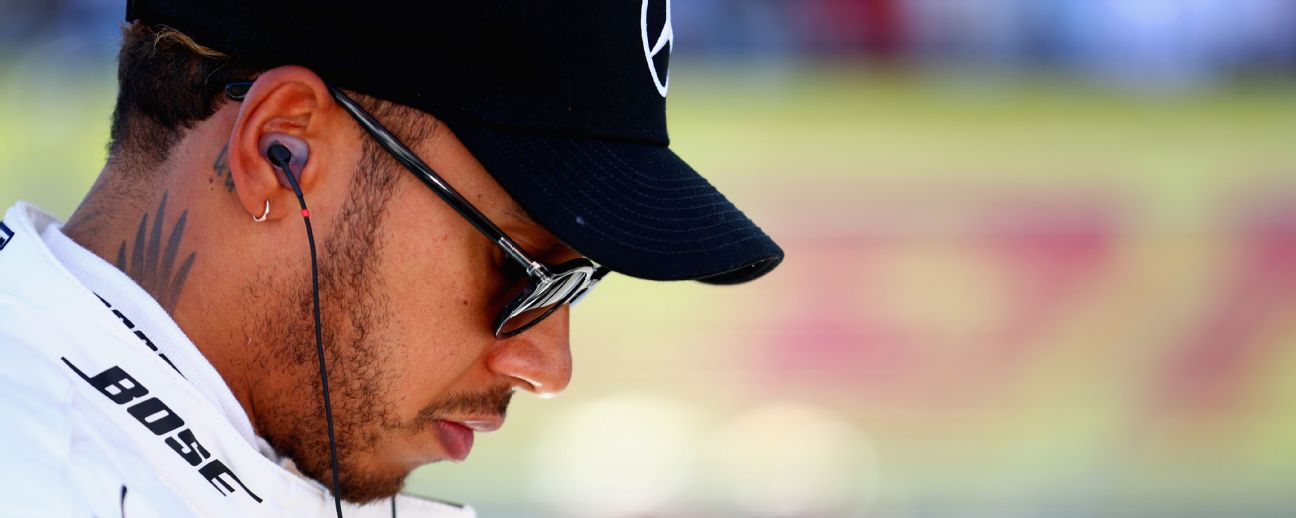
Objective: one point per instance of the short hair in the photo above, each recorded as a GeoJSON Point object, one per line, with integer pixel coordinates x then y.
{"type": "Point", "coordinates": [167, 83]}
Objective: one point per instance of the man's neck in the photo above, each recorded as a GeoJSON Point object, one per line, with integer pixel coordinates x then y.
{"type": "Point", "coordinates": [165, 234]}
{"type": "Point", "coordinates": [121, 221]}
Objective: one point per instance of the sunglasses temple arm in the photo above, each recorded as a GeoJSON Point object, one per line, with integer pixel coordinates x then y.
{"type": "Point", "coordinates": [438, 184]}
{"type": "Point", "coordinates": [533, 268]}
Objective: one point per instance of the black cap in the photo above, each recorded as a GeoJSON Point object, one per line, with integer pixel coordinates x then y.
{"type": "Point", "coordinates": [563, 101]}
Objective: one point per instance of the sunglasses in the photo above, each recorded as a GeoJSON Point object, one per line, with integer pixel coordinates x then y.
{"type": "Point", "coordinates": [548, 287]}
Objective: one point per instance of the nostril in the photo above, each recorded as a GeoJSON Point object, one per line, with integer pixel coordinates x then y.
{"type": "Point", "coordinates": [532, 386]}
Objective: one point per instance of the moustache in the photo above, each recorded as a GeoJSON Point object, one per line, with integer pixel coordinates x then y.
{"type": "Point", "coordinates": [494, 401]}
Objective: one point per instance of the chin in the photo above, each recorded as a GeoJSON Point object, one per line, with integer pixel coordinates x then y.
{"type": "Point", "coordinates": [364, 488]}
{"type": "Point", "coordinates": [359, 485]}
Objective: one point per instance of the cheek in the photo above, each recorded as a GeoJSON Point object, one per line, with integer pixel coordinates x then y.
{"type": "Point", "coordinates": [437, 329]}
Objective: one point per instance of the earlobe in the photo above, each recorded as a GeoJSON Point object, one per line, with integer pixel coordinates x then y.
{"type": "Point", "coordinates": [257, 183]}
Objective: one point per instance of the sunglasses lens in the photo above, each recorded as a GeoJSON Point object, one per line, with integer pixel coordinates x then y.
{"type": "Point", "coordinates": [521, 321]}
{"type": "Point", "coordinates": [544, 301]}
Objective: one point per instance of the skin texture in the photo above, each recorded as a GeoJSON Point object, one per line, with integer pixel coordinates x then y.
{"type": "Point", "coordinates": [409, 288]}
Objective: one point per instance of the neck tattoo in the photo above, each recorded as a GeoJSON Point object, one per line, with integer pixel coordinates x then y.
{"type": "Point", "coordinates": [153, 267]}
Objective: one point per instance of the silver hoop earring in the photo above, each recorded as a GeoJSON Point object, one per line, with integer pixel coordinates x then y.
{"type": "Point", "coordinates": [263, 214]}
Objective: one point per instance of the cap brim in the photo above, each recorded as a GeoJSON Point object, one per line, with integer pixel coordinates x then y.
{"type": "Point", "coordinates": [636, 208]}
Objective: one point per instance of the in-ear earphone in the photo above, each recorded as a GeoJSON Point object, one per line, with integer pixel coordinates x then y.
{"type": "Point", "coordinates": [278, 149]}
{"type": "Point", "coordinates": [295, 152]}
{"type": "Point", "coordinates": [283, 158]}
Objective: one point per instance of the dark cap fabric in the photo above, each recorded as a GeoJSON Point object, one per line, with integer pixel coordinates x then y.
{"type": "Point", "coordinates": [564, 102]}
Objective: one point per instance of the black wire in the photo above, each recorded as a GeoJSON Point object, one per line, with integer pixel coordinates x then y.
{"type": "Point", "coordinates": [280, 156]}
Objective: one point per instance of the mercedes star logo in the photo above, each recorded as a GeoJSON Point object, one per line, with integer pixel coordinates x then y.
{"type": "Point", "coordinates": [661, 26]}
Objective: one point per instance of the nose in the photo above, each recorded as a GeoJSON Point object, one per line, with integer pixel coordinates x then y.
{"type": "Point", "coordinates": [538, 359]}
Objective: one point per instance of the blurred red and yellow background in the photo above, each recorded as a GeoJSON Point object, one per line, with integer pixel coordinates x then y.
{"type": "Point", "coordinates": [1041, 262]}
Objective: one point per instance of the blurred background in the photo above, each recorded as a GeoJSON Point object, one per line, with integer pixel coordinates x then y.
{"type": "Point", "coordinates": [1041, 262]}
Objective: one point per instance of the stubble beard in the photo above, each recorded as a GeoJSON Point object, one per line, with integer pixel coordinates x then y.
{"type": "Point", "coordinates": [360, 370]}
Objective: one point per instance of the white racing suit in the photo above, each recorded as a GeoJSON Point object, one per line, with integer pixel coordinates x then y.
{"type": "Point", "coordinates": [95, 421]}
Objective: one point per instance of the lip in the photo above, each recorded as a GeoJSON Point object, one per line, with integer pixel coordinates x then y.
{"type": "Point", "coordinates": [456, 438]}
{"type": "Point", "coordinates": [457, 435]}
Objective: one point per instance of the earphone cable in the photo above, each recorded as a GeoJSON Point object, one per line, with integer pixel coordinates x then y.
{"type": "Point", "coordinates": [281, 157]}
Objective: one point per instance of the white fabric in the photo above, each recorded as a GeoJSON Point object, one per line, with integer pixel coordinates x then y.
{"type": "Point", "coordinates": [93, 422]}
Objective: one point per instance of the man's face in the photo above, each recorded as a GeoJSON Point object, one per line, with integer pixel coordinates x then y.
{"type": "Point", "coordinates": [409, 292]}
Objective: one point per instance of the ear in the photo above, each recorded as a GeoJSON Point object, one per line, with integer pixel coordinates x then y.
{"type": "Point", "coordinates": [287, 101]}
